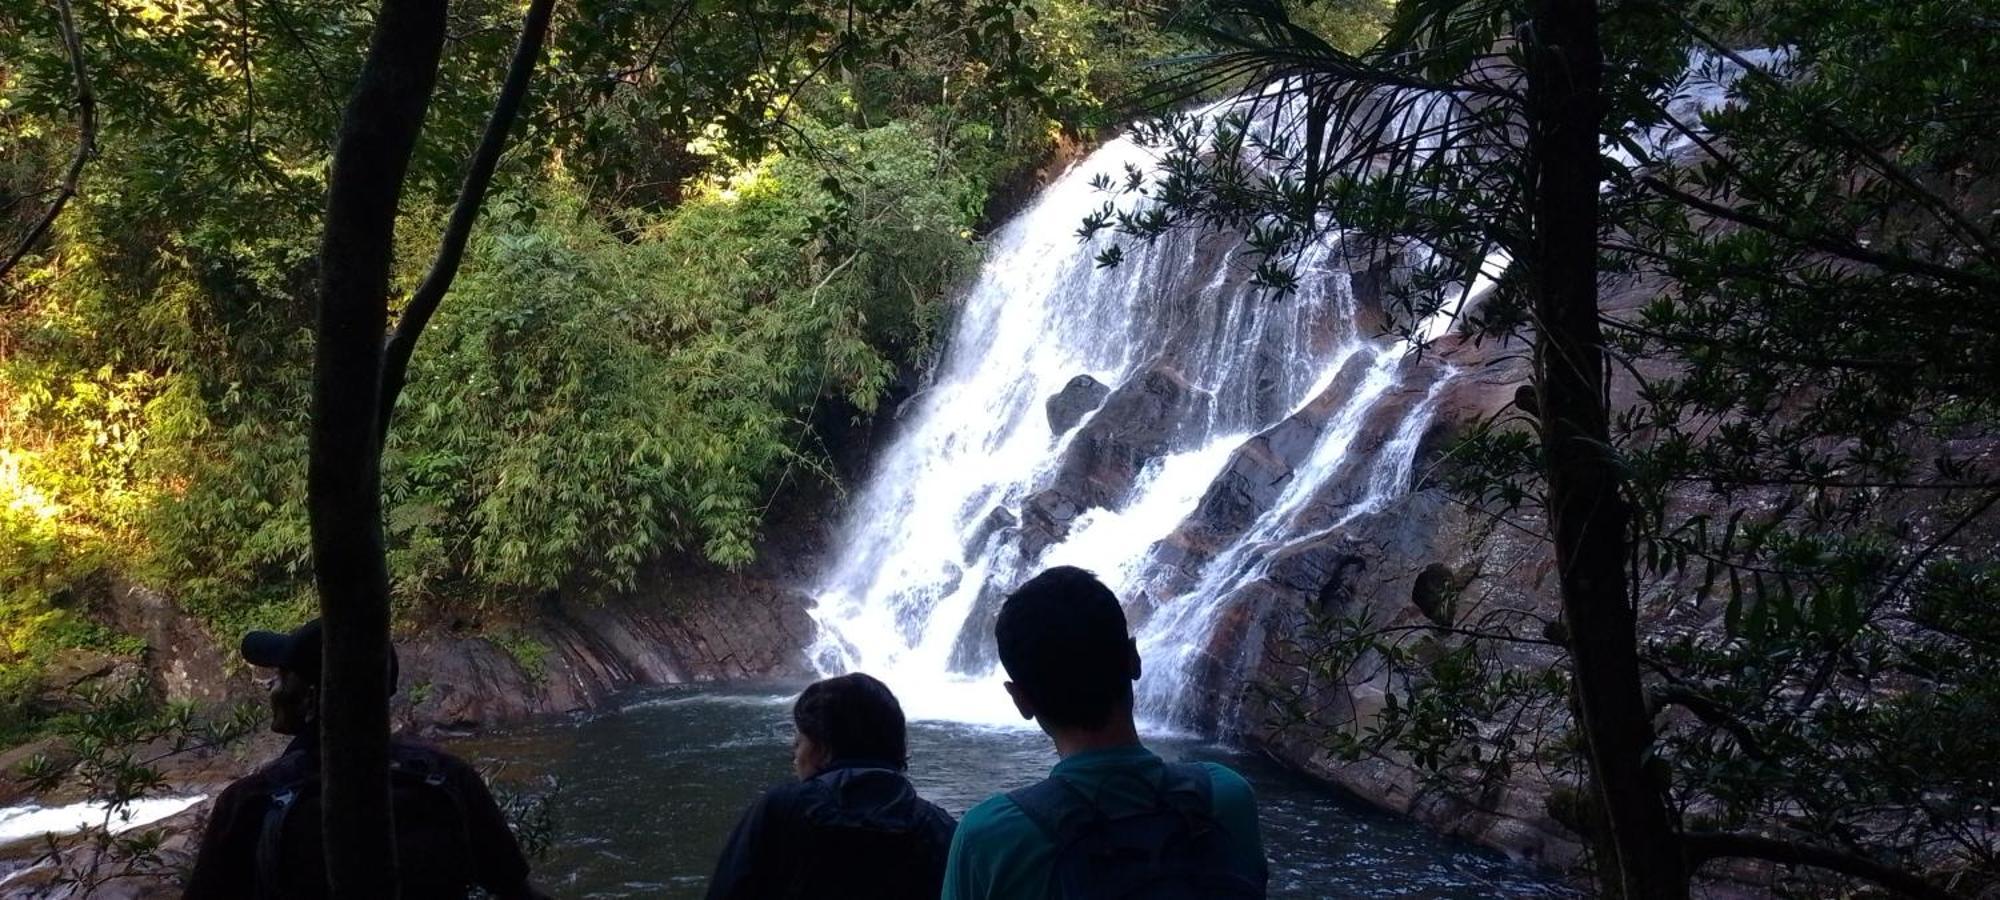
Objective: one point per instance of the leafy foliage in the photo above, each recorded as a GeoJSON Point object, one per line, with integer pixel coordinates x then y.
{"type": "Point", "coordinates": [742, 214]}
{"type": "Point", "coordinates": [1801, 414]}
{"type": "Point", "coordinates": [118, 736]}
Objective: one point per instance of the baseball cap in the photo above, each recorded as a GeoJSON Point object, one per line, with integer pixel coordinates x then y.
{"type": "Point", "coordinates": [297, 651]}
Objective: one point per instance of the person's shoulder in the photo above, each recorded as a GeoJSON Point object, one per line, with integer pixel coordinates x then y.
{"type": "Point", "coordinates": [406, 750]}
{"type": "Point", "coordinates": [998, 812]}
{"type": "Point", "coordinates": [1222, 776]}
{"type": "Point", "coordinates": [936, 814]}
{"type": "Point", "coordinates": [412, 748]}
{"type": "Point", "coordinates": [1228, 787]}
{"type": "Point", "coordinates": [787, 801]}
{"type": "Point", "coordinates": [462, 777]}
{"type": "Point", "coordinates": [251, 788]}
{"type": "Point", "coordinates": [283, 770]}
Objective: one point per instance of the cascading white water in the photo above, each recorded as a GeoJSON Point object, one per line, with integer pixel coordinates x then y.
{"type": "Point", "coordinates": [921, 556]}
{"type": "Point", "coordinates": [936, 536]}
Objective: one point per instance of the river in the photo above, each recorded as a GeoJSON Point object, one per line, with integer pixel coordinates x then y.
{"type": "Point", "coordinates": [649, 792]}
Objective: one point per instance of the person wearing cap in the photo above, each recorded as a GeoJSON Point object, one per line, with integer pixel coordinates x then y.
{"type": "Point", "coordinates": [263, 834]}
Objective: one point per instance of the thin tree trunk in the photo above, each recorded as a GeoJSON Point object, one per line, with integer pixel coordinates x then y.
{"type": "Point", "coordinates": [1587, 516]}
{"type": "Point", "coordinates": [86, 140]}
{"type": "Point", "coordinates": [378, 132]}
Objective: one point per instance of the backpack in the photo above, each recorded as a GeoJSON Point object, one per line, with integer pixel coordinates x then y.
{"type": "Point", "coordinates": [841, 845]}
{"type": "Point", "coordinates": [432, 843]}
{"type": "Point", "coordinates": [1172, 851]}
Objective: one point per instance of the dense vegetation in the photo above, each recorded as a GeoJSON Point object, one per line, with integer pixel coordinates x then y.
{"type": "Point", "coordinates": [1760, 432]}
{"type": "Point", "coordinates": [720, 221]}
{"type": "Point", "coordinates": [715, 224]}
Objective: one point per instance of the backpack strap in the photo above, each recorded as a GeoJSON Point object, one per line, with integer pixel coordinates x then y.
{"type": "Point", "coordinates": [1061, 810]}
{"type": "Point", "coordinates": [295, 776]}
{"type": "Point", "coordinates": [1188, 788]}
{"type": "Point", "coordinates": [1058, 809]}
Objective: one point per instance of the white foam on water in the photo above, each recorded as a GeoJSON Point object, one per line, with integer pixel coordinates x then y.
{"type": "Point", "coordinates": [19, 823]}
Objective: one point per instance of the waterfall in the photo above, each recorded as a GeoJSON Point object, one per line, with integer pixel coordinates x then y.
{"type": "Point", "coordinates": [1210, 379]}
{"type": "Point", "coordinates": [941, 530]}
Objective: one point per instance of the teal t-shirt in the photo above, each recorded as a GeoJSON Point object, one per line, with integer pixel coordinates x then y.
{"type": "Point", "coordinates": [999, 853]}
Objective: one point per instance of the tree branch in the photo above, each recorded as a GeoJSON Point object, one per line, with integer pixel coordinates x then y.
{"type": "Point", "coordinates": [1711, 712]}
{"type": "Point", "coordinates": [86, 145]}
{"type": "Point", "coordinates": [1888, 168]}
{"type": "Point", "coordinates": [1702, 847]}
{"type": "Point", "coordinates": [471, 196]}
{"type": "Point", "coordinates": [1841, 247]}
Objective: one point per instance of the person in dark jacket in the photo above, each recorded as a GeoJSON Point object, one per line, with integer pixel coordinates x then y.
{"type": "Point", "coordinates": [263, 834]}
{"type": "Point", "coordinates": [852, 826]}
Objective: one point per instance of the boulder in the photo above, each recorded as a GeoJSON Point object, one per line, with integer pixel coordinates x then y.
{"type": "Point", "coordinates": [1080, 397]}
{"type": "Point", "coordinates": [1259, 471]}
{"type": "Point", "coordinates": [1435, 593]}
{"type": "Point", "coordinates": [1045, 519]}
{"type": "Point", "coordinates": [1149, 416]}
{"type": "Point", "coordinates": [997, 521]}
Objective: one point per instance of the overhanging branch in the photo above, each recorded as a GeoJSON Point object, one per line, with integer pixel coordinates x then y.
{"type": "Point", "coordinates": [471, 196]}
{"type": "Point", "coordinates": [1836, 246]}
{"type": "Point", "coordinates": [1702, 847]}
{"type": "Point", "coordinates": [86, 144]}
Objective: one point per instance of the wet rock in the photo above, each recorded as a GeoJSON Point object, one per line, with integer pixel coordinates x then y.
{"type": "Point", "coordinates": [974, 650]}
{"type": "Point", "coordinates": [1259, 471]}
{"type": "Point", "coordinates": [1082, 395]}
{"type": "Point", "coordinates": [1436, 594]}
{"type": "Point", "coordinates": [997, 521]}
{"type": "Point", "coordinates": [1045, 519]}
{"type": "Point", "coordinates": [1254, 478]}
{"type": "Point", "coordinates": [1153, 414]}
{"type": "Point", "coordinates": [577, 656]}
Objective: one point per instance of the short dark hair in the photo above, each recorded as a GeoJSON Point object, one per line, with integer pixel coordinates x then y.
{"type": "Point", "coordinates": [1064, 642]}
{"type": "Point", "coordinates": [853, 717]}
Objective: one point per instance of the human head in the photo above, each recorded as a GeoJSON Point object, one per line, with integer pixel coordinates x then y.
{"type": "Point", "coordinates": [1070, 660]}
{"type": "Point", "coordinates": [848, 717]}
{"type": "Point", "coordinates": [296, 656]}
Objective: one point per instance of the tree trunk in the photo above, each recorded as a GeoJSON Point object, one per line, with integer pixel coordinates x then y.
{"type": "Point", "coordinates": [378, 131]}
{"type": "Point", "coordinates": [1587, 516]}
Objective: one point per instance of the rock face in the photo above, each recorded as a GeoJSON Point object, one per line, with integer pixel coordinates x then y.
{"type": "Point", "coordinates": [1398, 567]}
{"type": "Point", "coordinates": [572, 658]}
{"type": "Point", "coordinates": [1419, 563]}
{"type": "Point", "coordinates": [186, 662]}
{"type": "Point", "coordinates": [1144, 419]}
{"type": "Point", "coordinates": [1080, 397]}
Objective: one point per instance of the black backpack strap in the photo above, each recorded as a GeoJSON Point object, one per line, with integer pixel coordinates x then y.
{"type": "Point", "coordinates": [1056, 807]}
{"type": "Point", "coordinates": [1060, 810]}
{"type": "Point", "coordinates": [1188, 788]}
{"type": "Point", "coordinates": [291, 776]}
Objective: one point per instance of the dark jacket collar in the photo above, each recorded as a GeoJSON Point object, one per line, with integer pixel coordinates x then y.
{"type": "Point", "coordinates": [306, 744]}
{"type": "Point", "coordinates": [858, 763]}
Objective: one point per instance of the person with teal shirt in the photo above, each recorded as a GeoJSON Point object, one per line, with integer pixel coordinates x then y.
{"type": "Point", "coordinates": [1113, 819]}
